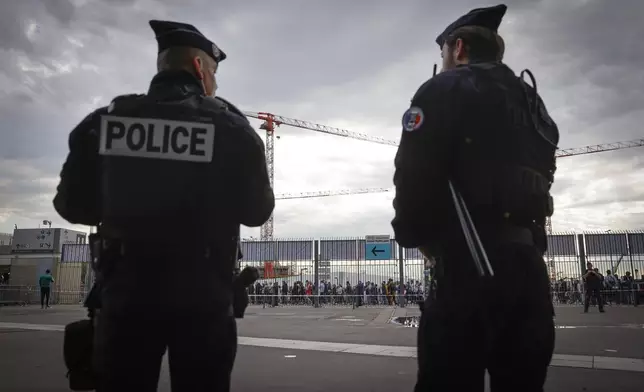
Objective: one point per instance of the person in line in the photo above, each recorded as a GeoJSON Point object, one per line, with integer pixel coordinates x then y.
{"type": "Point", "coordinates": [45, 282]}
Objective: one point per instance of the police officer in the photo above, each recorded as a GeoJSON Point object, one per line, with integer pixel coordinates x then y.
{"type": "Point", "coordinates": [479, 127]}
{"type": "Point", "coordinates": [593, 280]}
{"type": "Point", "coordinates": [168, 177]}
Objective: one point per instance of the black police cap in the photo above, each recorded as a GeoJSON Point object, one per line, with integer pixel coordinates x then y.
{"type": "Point", "coordinates": [488, 17]}
{"type": "Point", "coordinates": [170, 34]}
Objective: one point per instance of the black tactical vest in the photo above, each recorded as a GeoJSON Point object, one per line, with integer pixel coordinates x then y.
{"type": "Point", "coordinates": [505, 162]}
{"type": "Point", "coordinates": [161, 166]}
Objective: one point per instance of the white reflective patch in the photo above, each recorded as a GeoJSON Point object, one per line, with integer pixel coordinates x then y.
{"type": "Point", "coordinates": [157, 138]}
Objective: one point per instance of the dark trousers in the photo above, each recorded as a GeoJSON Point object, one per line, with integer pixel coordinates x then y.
{"type": "Point", "coordinates": [45, 292]}
{"type": "Point", "coordinates": [596, 293]}
{"type": "Point", "coordinates": [129, 350]}
{"type": "Point", "coordinates": [503, 325]}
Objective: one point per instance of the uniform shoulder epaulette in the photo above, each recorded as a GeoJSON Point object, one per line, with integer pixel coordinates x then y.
{"type": "Point", "coordinates": [433, 85]}
{"type": "Point", "coordinates": [127, 96]}
{"type": "Point", "coordinates": [122, 98]}
{"type": "Point", "coordinates": [214, 103]}
{"type": "Point", "coordinates": [230, 107]}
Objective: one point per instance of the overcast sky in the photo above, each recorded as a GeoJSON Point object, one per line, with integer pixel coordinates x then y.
{"type": "Point", "coordinates": [348, 64]}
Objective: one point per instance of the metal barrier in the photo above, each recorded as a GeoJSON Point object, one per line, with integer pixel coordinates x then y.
{"type": "Point", "coordinates": [30, 295]}
{"type": "Point", "coordinates": [17, 295]}
{"type": "Point", "coordinates": [345, 300]}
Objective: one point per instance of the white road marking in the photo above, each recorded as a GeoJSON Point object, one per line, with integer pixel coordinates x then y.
{"type": "Point", "coordinates": [32, 327]}
{"type": "Point", "coordinates": [559, 360]}
{"type": "Point", "coordinates": [628, 326]}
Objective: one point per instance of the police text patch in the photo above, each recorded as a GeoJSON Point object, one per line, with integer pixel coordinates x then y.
{"type": "Point", "coordinates": [413, 119]}
{"type": "Point", "coordinates": [157, 138]}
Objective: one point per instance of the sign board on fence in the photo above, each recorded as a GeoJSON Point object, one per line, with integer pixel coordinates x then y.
{"type": "Point", "coordinates": [377, 247]}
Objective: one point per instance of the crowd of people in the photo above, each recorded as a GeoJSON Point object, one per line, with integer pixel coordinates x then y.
{"type": "Point", "coordinates": [275, 293]}
{"type": "Point", "coordinates": [614, 289]}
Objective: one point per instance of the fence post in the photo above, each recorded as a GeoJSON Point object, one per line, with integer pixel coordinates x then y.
{"type": "Point", "coordinates": [401, 269]}
{"type": "Point", "coordinates": [56, 267]}
{"type": "Point", "coordinates": [582, 254]}
{"type": "Point", "coordinates": [316, 286]}
{"type": "Point", "coordinates": [634, 293]}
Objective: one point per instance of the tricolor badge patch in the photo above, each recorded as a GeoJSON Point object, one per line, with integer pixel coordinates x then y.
{"type": "Point", "coordinates": [412, 119]}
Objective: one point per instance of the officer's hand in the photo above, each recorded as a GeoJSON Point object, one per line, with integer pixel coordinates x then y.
{"type": "Point", "coordinates": [247, 276]}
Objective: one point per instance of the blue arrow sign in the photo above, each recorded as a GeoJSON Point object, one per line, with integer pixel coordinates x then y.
{"type": "Point", "coordinates": [377, 247]}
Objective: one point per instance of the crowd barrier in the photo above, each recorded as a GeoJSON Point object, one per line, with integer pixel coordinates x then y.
{"type": "Point", "coordinates": [30, 295]}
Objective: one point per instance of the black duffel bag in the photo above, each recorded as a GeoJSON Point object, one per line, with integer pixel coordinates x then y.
{"type": "Point", "coordinates": [78, 349]}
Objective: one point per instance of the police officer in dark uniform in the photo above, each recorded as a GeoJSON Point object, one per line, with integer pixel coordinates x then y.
{"type": "Point", "coordinates": [482, 129]}
{"type": "Point", "coordinates": [593, 280]}
{"type": "Point", "coordinates": [168, 177]}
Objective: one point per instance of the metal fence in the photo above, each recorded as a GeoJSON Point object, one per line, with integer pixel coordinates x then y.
{"type": "Point", "coordinates": [333, 268]}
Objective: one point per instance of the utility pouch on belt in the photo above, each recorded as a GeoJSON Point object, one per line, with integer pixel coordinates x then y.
{"type": "Point", "coordinates": [78, 349]}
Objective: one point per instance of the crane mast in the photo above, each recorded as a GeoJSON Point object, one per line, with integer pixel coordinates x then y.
{"type": "Point", "coordinates": [269, 125]}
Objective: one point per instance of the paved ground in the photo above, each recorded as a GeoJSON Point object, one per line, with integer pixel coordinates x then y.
{"type": "Point", "coordinates": [30, 360]}
{"type": "Point", "coordinates": [618, 332]}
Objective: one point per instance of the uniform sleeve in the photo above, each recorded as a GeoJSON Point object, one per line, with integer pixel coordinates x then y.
{"type": "Point", "coordinates": [77, 197]}
{"type": "Point", "coordinates": [257, 200]}
{"type": "Point", "coordinates": [421, 166]}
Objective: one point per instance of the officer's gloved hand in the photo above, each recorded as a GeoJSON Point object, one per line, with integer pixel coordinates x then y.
{"type": "Point", "coordinates": [247, 277]}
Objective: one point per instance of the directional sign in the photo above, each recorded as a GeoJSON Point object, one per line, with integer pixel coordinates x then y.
{"type": "Point", "coordinates": [377, 247]}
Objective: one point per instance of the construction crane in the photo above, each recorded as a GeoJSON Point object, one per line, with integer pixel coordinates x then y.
{"type": "Point", "coordinates": [271, 121]}
{"type": "Point", "coordinates": [341, 192]}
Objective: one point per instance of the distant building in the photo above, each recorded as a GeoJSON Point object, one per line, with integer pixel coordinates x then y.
{"type": "Point", "coordinates": [45, 240]}
{"type": "Point", "coordinates": [33, 251]}
{"type": "Point", "coordinates": [5, 239]}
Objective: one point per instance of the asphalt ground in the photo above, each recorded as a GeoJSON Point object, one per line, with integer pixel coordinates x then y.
{"type": "Point", "coordinates": [31, 360]}
{"type": "Point", "coordinates": [618, 332]}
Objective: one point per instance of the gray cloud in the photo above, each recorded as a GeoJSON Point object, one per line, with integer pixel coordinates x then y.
{"type": "Point", "coordinates": [335, 63]}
